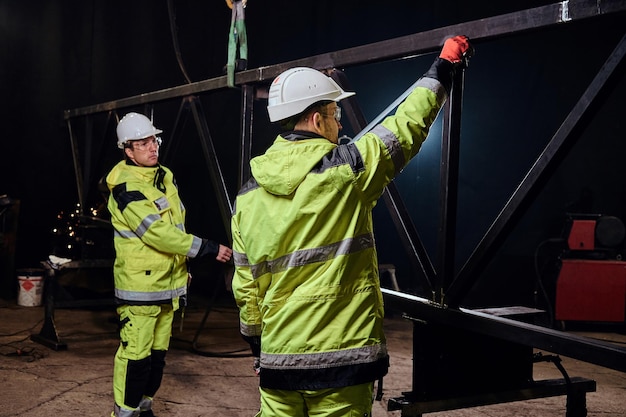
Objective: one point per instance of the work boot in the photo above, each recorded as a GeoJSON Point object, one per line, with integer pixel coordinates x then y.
{"type": "Point", "coordinates": [147, 413]}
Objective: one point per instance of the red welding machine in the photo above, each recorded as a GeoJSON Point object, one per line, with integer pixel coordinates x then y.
{"type": "Point", "coordinates": [591, 285]}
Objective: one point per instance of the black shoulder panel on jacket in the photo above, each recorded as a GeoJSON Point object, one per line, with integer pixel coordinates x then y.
{"type": "Point", "coordinates": [342, 154]}
{"type": "Point", "coordinates": [123, 197]}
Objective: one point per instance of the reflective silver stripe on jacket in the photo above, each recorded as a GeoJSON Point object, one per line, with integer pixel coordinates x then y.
{"type": "Point", "coordinates": [195, 247]}
{"type": "Point", "coordinates": [320, 360]}
{"type": "Point", "coordinates": [393, 144]}
{"type": "Point", "coordinates": [146, 223]}
{"type": "Point", "coordinates": [250, 330]}
{"type": "Point", "coordinates": [306, 256]}
{"type": "Point", "coordinates": [149, 296]}
{"type": "Point", "coordinates": [240, 259]}
{"type": "Point", "coordinates": [391, 140]}
{"type": "Point", "coordinates": [162, 203]}
{"type": "Point", "coordinates": [128, 234]}
{"type": "Point", "coordinates": [436, 87]}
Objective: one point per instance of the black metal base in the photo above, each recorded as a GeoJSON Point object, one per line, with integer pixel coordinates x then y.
{"type": "Point", "coordinates": [48, 342]}
{"type": "Point", "coordinates": [576, 398]}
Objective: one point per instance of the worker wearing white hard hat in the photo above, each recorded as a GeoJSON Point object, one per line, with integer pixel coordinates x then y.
{"type": "Point", "coordinates": [306, 273]}
{"type": "Point", "coordinates": [150, 269]}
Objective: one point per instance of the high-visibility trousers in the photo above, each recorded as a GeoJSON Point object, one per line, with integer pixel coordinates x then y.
{"type": "Point", "coordinates": [351, 401]}
{"type": "Point", "coordinates": [145, 333]}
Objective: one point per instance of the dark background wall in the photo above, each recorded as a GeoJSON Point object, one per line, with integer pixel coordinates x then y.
{"type": "Point", "coordinates": [59, 55]}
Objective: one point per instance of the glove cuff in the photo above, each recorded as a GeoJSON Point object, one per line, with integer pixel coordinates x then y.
{"type": "Point", "coordinates": [443, 71]}
{"type": "Point", "coordinates": [208, 247]}
{"type": "Point", "coordinates": [255, 344]}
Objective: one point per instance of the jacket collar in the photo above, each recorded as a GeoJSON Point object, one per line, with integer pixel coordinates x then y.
{"type": "Point", "coordinates": [296, 135]}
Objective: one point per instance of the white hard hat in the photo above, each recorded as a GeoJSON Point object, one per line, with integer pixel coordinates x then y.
{"type": "Point", "coordinates": [134, 126]}
{"type": "Point", "coordinates": [297, 88]}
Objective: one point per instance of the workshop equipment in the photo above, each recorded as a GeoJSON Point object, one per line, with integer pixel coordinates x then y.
{"type": "Point", "coordinates": [591, 284]}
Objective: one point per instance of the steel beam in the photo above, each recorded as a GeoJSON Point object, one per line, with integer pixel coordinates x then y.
{"type": "Point", "coordinates": [565, 12]}
{"type": "Point", "coordinates": [585, 349]}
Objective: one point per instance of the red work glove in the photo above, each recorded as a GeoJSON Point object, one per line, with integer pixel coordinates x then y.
{"type": "Point", "coordinates": [455, 48]}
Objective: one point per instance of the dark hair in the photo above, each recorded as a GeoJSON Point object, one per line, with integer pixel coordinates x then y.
{"type": "Point", "coordinates": [291, 122]}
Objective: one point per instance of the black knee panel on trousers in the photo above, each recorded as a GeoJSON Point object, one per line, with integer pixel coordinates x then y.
{"type": "Point", "coordinates": [156, 372]}
{"type": "Point", "coordinates": [137, 378]}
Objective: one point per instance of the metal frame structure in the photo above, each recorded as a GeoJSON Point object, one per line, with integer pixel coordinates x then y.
{"type": "Point", "coordinates": [448, 289]}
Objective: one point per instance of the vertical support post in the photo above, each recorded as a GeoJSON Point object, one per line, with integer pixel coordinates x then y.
{"type": "Point", "coordinates": [449, 173]}
{"type": "Point", "coordinates": [245, 146]}
{"type": "Point", "coordinates": [48, 335]}
{"type": "Point", "coordinates": [576, 405]}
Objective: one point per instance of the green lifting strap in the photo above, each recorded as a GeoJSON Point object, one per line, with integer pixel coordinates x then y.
{"type": "Point", "coordinates": [237, 37]}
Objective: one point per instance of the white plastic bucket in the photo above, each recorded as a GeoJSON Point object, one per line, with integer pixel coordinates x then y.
{"type": "Point", "coordinates": [30, 291]}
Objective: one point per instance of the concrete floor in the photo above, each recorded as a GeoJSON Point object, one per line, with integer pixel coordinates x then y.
{"type": "Point", "coordinates": [215, 378]}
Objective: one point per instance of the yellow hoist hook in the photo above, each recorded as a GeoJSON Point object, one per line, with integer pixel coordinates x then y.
{"type": "Point", "coordinates": [230, 3]}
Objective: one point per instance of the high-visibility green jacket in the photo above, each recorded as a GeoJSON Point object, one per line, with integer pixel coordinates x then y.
{"type": "Point", "coordinates": [151, 244]}
{"type": "Point", "coordinates": [306, 278]}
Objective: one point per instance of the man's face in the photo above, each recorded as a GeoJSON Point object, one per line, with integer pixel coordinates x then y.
{"type": "Point", "coordinates": [144, 152]}
{"type": "Point", "coordinates": [330, 125]}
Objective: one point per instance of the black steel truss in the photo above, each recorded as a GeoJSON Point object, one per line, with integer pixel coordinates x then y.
{"type": "Point", "coordinates": [561, 13]}
{"type": "Point", "coordinates": [448, 290]}
{"type": "Point", "coordinates": [527, 189]}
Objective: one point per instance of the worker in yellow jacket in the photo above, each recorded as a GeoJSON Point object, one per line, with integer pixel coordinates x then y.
{"type": "Point", "coordinates": [150, 269]}
{"type": "Point", "coordinates": [306, 274]}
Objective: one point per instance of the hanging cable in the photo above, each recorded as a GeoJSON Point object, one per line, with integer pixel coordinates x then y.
{"type": "Point", "coordinates": [172, 16]}
{"type": "Point", "coordinates": [539, 278]}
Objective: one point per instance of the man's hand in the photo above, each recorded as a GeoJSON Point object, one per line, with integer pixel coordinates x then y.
{"type": "Point", "coordinates": [455, 49]}
{"type": "Point", "coordinates": [224, 253]}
